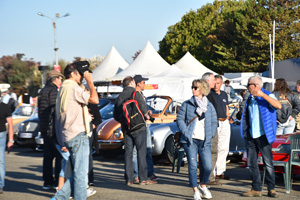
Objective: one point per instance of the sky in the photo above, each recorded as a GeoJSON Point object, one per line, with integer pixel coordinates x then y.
{"type": "Point", "coordinates": [92, 28]}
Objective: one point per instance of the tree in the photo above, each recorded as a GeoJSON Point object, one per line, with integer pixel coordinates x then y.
{"type": "Point", "coordinates": [233, 36]}
{"type": "Point", "coordinates": [20, 73]}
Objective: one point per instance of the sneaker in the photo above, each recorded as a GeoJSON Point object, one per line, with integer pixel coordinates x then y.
{"type": "Point", "coordinates": [136, 180]}
{"type": "Point", "coordinates": [91, 184]}
{"type": "Point", "coordinates": [90, 192]}
{"type": "Point", "coordinates": [205, 193]}
{"type": "Point", "coordinates": [49, 187]}
{"type": "Point", "coordinates": [197, 196]}
{"type": "Point", "coordinates": [272, 193]}
{"type": "Point", "coordinates": [252, 193]}
{"type": "Point", "coordinates": [1, 190]}
{"type": "Point", "coordinates": [154, 178]}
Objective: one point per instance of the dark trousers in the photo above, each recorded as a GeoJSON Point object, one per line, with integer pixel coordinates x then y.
{"type": "Point", "coordinates": [139, 140]}
{"type": "Point", "coordinates": [91, 166]}
{"type": "Point", "coordinates": [254, 146]}
{"type": "Point", "coordinates": [50, 153]}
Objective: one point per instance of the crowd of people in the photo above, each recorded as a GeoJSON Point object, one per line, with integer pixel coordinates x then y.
{"type": "Point", "coordinates": [69, 116]}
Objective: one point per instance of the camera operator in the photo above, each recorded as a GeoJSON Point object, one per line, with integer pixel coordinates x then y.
{"type": "Point", "coordinates": [140, 85]}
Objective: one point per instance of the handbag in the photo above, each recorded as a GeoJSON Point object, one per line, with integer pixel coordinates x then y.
{"type": "Point", "coordinates": [177, 136]}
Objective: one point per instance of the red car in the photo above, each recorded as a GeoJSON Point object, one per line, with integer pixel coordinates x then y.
{"type": "Point", "coordinates": [281, 151]}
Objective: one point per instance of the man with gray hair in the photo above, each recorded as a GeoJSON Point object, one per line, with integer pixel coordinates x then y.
{"type": "Point", "coordinates": [258, 127]}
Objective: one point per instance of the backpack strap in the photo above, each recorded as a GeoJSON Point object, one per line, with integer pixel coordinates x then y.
{"type": "Point", "coordinates": [133, 94]}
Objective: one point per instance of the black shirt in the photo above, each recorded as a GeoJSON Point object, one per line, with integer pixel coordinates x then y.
{"type": "Point", "coordinates": [219, 102]}
{"type": "Point", "coordinates": [4, 113]}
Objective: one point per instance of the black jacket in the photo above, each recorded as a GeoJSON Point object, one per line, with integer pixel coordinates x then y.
{"type": "Point", "coordinates": [46, 102]}
{"type": "Point", "coordinates": [123, 97]}
{"type": "Point", "coordinates": [285, 102]}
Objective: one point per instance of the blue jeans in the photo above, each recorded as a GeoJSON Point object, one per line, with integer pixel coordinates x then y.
{"type": "Point", "coordinates": [149, 158]}
{"type": "Point", "coordinates": [65, 157]}
{"type": "Point", "coordinates": [205, 163]}
{"type": "Point", "coordinates": [137, 139]}
{"type": "Point", "coordinates": [286, 128]}
{"type": "Point", "coordinates": [2, 157]}
{"type": "Point", "coordinates": [254, 146]}
{"type": "Point", "coordinates": [79, 157]}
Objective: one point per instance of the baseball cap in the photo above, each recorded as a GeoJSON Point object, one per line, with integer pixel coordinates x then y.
{"type": "Point", "coordinates": [83, 66]}
{"type": "Point", "coordinates": [54, 73]}
{"type": "Point", "coordinates": [138, 78]}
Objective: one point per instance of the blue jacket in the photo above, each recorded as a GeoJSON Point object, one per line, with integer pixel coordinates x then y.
{"type": "Point", "coordinates": [187, 112]}
{"type": "Point", "coordinates": [268, 117]}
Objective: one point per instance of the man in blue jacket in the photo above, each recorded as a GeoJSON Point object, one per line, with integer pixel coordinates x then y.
{"type": "Point", "coordinates": [258, 127]}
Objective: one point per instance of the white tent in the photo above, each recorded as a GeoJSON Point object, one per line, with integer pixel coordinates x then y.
{"type": "Point", "coordinates": [191, 65]}
{"type": "Point", "coordinates": [148, 63]}
{"type": "Point", "coordinates": [244, 80]}
{"type": "Point", "coordinates": [172, 82]}
{"type": "Point", "coordinates": [112, 64]}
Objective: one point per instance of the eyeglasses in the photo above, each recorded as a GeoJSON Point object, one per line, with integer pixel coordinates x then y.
{"type": "Point", "coordinates": [194, 88]}
{"type": "Point", "coordinates": [251, 84]}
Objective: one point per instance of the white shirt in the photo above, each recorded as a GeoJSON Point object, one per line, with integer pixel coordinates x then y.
{"type": "Point", "coordinates": [199, 132]}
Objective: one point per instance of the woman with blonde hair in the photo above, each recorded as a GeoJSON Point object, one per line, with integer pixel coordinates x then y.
{"type": "Point", "coordinates": [197, 120]}
{"type": "Point", "coordinates": [290, 107]}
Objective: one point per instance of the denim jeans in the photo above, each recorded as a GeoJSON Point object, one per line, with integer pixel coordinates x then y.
{"type": "Point", "coordinates": [286, 128]}
{"type": "Point", "coordinates": [254, 146]}
{"type": "Point", "coordinates": [137, 139]}
{"type": "Point", "coordinates": [149, 158]}
{"type": "Point", "coordinates": [65, 157]}
{"type": "Point", "coordinates": [2, 157]}
{"type": "Point", "coordinates": [79, 156]}
{"type": "Point", "coordinates": [50, 153]}
{"type": "Point", "coordinates": [205, 163]}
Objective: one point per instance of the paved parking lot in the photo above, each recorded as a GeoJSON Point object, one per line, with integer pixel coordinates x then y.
{"type": "Point", "coordinates": [24, 181]}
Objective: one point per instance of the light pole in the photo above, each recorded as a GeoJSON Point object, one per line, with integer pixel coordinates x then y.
{"type": "Point", "coordinates": [54, 26]}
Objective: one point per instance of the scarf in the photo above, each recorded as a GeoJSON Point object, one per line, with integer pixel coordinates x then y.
{"type": "Point", "coordinates": [201, 105]}
{"type": "Point", "coordinates": [62, 102]}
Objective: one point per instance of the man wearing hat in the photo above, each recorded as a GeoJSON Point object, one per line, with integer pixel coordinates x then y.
{"type": "Point", "coordinates": [73, 118]}
{"type": "Point", "coordinates": [140, 86]}
{"type": "Point", "coordinates": [46, 107]}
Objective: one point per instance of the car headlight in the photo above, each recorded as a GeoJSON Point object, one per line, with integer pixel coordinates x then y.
{"type": "Point", "coordinates": [118, 133]}
{"type": "Point", "coordinates": [21, 126]}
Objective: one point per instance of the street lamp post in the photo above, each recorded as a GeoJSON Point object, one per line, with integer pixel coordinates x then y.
{"type": "Point", "coordinates": [57, 16]}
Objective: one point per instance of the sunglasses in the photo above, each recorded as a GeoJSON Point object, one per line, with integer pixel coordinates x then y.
{"type": "Point", "coordinates": [194, 88]}
{"type": "Point", "coordinates": [248, 85]}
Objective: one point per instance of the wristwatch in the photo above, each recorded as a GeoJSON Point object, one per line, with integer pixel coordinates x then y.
{"type": "Point", "coordinates": [11, 141]}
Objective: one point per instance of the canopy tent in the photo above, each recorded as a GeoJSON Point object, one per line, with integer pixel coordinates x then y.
{"type": "Point", "coordinates": [244, 80]}
{"type": "Point", "coordinates": [191, 65]}
{"type": "Point", "coordinates": [112, 64]}
{"type": "Point", "coordinates": [287, 69]}
{"type": "Point", "coordinates": [172, 82]}
{"type": "Point", "coordinates": [148, 62]}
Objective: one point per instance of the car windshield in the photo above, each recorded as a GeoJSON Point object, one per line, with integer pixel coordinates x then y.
{"type": "Point", "coordinates": [156, 104]}
{"type": "Point", "coordinates": [25, 111]}
{"type": "Point", "coordinates": [107, 111]}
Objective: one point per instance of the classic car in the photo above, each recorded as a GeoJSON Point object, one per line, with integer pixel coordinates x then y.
{"type": "Point", "coordinates": [110, 136]}
{"type": "Point", "coordinates": [164, 143]}
{"type": "Point", "coordinates": [280, 150]}
{"type": "Point", "coordinates": [28, 131]}
{"type": "Point", "coordinates": [20, 114]}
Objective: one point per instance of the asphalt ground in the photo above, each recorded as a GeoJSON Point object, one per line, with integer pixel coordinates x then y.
{"type": "Point", "coordinates": [24, 181]}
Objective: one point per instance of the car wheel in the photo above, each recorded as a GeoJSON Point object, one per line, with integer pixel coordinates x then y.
{"type": "Point", "coordinates": [170, 147]}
